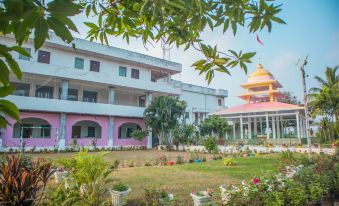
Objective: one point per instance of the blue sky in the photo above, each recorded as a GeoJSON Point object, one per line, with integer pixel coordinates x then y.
{"type": "Point", "coordinates": [312, 29]}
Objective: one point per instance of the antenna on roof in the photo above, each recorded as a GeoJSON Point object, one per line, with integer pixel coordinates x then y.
{"type": "Point", "coordinates": [166, 50]}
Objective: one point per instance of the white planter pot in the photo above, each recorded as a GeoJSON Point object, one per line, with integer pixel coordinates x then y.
{"type": "Point", "coordinates": [60, 176]}
{"type": "Point", "coordinates": [162, 147]}
{"type": "Point", "coordinates": [201, 200]}
{"type": "Point", "coordinates": [119, 198]}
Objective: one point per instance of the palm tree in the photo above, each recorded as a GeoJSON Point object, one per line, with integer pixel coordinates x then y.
{"type": "Point", "coordinates": [324, 100]}
{"type": "Point", "coordinates": [163, 115]}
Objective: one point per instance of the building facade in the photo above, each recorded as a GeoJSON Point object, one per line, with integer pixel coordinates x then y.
{"type": "Point", "coordinates": [95, 94]}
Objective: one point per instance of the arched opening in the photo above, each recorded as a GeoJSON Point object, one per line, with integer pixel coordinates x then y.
{"type": "Point", "coordinates": [86, 129]}
{"type": "Point", "coordinates": [32, 128]}
{"type": "Point", "coordinates": [126, 129]}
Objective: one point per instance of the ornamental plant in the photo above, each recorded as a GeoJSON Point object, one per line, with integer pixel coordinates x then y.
{"type": "Point", "coordinates": [119, 186]}
{"type": "Point", "coordinates": [229, 162]}
{"type": "Point", "coordinates": [211, 145]}
{"type": "Point", "coordinates": [23, 180]}
{"type": "Point", "coordinates": [138, 134]}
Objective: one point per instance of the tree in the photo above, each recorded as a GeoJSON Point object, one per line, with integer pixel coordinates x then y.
{"type": "Point", "coordinates": [290, 98]}
{"type": "Point", "coordinates": [182, 134]}
{"type": "Point", "coordinates": [324, 100]}
{"type": "Point", "coordinates": [178, 22]}
{"type": "Point", "coordinates": [214, 124]}
{"type": "Point", "coordinates": [163, 115]}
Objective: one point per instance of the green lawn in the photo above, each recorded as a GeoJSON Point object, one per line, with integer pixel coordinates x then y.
{"type": "Point", "coordinates": [181, 180]}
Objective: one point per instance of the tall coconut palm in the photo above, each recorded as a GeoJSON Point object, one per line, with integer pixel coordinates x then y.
{"type": "Point", "coordinates": [163, 115]}
{"type": "Point", "coordinates": [324, 100]}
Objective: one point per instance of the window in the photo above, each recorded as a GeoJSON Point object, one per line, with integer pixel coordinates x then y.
{"type": "Point", "coordinates": [21, 89]}
{"type": "Point", "coordinates": [44, 92]}
{"type": "Point", "coordinates": [27, 131]}
{"type": "Point", "coordinates": [45, 131]}
{"type": "Point", "coordinates": [94, 66]}
{"type": "Point", "coordinates": [220, 102]}
{"type": "Point", "coordinates": [90, 96]}
{"type": "Point", "coordinates": [23, 57]}
{"type": "Point", "coordinates": [44, 56]}
{"type": "Point", "coordinates": [153, 77]}
{"type": "Point", "coordinates": [122, 71]}
{"type": "Point", "coordinates": [135, 73]}
{"type": "Point", "coordinates": [196, 118]}
{"type": "Point", "coordinates": [78, 63]}
{"type": "Point", "coordinates": [126, 129]}
{"type": "Point", "coordinates": [91, 131]}
{"type": "Point", "coordinates": [142, 101]}
{"type": "Point", "coordinates": [72, 94]}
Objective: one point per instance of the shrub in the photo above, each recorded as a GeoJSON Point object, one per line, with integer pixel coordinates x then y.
{"type": "Point", "coordinates": [288, 157]}
{"type": "Point", "coordinates": [138, 134]}
{"type": "Point", "coordinates": [229, 162]}
{"type": "Point", "coordinates": [154, 195]}
{"type": "Point", "coordinates": [211, 145]}
{"type": "Point", "coordinates": [163, 160]}
{"type": "Point", "coordinates": [23, 180]}
{"type": "Point", "coordinates": [179, 160]}
{"type": "Point", "coordinates": [121, 187]}
{"type": "Point", "coordinates": [148, 162]}
{"type": "Point", "coordinates": [131, 163]}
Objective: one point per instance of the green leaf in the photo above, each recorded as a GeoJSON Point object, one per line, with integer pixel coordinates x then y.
{"type": "Point", "coordinates": [199, 63]}
{"type": "Point", "coordinates": [4, 71]}
{"type": "Point", "coordinates": [9, 108]}
{"type": "Point", "coordinates": [66, 21]}
{"type": "Point", "coordinates": [91, 25]}
{"type": "Point", "coordinates": [13, 65]}
{"type": "Point", "coordinates": [220, 61]}
{"type": "Point", "coordinates": [64, 7]}
{"type": "Point", "coordinates": [60, 29]}
{"type": "Point", "coordinates": [41, 32]}
{"type": "Point", "coordinates": [6, 90]}
{"type": "Point", "coordinates": [226, 25]}
{"type": "Point", "coordinates": [22, 51]}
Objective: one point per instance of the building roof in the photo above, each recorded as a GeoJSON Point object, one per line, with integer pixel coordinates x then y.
{"type": "Point", "coordinates": [260, 76]}
{"type": "Point", "coordinates": [259, 107]}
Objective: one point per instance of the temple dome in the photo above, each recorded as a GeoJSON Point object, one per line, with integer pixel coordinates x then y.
{"type": "Point", "coordinates": [260, 75]}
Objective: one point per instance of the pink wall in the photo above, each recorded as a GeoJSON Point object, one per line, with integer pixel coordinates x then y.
{"type": "Point", "coordinates": [102, 121]}
{"type": "Point", "coordinates": [52, 119]}
{"type": "Point", "coordinates": [127, 142]}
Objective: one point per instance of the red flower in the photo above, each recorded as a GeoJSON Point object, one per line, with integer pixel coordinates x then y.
{"type": "Point", "coordinates": [256, 181]}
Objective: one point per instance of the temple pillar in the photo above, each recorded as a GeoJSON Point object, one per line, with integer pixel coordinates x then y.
{"type": "Point", "coordinates": [233, 129]}
{"type": "Point", "coordinates": [241, 128]}
{"type": "Point", "coordinates": [274, 128]}
{"type": "Point", "coordinates": [298, 124]}
{"type": "Point", "coordinates": [282, 127]}
{"type": "Point", "coordinates": [255, 127]}
{"type": "Point", "coordinates": [261, 125]}
{"type": "Point", "coordinates": [278, 126]}
{"type": "Point", "coordinates": [267, 127]}
{"type": "Point", "coordinates": [249, 129]}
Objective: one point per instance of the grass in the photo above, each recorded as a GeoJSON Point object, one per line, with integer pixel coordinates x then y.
{"type": "Point", "coordinates": [180, 180]}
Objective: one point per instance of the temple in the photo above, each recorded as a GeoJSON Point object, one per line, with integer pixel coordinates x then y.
{"type": "Point", "coordinates": [264, 116]}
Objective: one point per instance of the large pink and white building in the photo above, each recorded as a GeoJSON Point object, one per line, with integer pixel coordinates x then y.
{"type": "Point", "coordinates": [96, 93]}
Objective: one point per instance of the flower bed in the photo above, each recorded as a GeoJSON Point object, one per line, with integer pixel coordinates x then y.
{"type": "Point", "coordinates": [307, 183]}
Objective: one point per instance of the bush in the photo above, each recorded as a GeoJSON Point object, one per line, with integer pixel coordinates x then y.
{"type": "Point", "coordinates": [211, 145]}
{"type": "Point", "coordinates": [138, 134]}
{"type": "Point", "coordinates": [288, 157]}
{"type": "Point", "coordinates": [163, 160]}
{"type": "Point", "coordinates": [179, 160]}
{"type": "Point", "coordinates": [23, 180]}
{"type": "Point", "coordinates": [229, 162]}
{"type": "Point", "coordinates": [153, 196]}
{"type": "Point", "coordinates": [121, 187]}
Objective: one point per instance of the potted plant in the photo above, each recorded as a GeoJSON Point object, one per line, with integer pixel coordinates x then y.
{"type": "Point", "coordinates": [119, 194]}
{"type": "Point", "coordinates": [60, 174]}
{"type": "Point", "coordinates": [170, 163]}
{"type": "Point", "coordinates": [201, 198]}
{"type": "Point", "coordinates": [166, 198]}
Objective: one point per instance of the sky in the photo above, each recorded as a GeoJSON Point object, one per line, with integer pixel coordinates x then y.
{"type": "Point", "coordinates": [312, 29]}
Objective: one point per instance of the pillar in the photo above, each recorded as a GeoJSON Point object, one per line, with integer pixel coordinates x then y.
{"type": "Point", "coordinates": [255, 127]}
{"type": "Point", "coordinates": [64, 90]}
{"type": "Point", "coordinates": [62, 140]}
{"type": "Point", "coordinates": [261, 125]}
{"type": "Point", "coordinates": [111, 95]}
{"type": "Point", "coordinates": [249, 128]}
{"type": "Point", "coordinates": [282, 126]}
{"type": "Point", "coordinates": [298, 124]}
{"type": "Point", "coordinates": [110, 131]}
{"type": "Point", "coordinates": [233, 129]}
{"type": "Point", "coordinates": [267, 127]}
{"type": "Point", "coordinates": [149, 98]}
{"type": "Point", "coordinates": [32, 89]}
{"type": "Point", "coordinates": [241, 128]}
